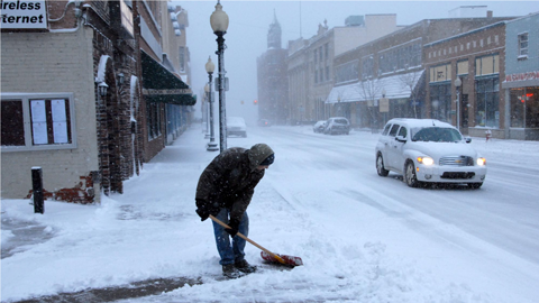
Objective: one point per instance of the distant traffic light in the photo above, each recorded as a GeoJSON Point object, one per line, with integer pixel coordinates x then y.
{"type": "Point", "coordinates": [256, 102]}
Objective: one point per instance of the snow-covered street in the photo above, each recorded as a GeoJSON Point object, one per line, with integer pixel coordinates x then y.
{"type": "Point", "coordinates": [362, 238]}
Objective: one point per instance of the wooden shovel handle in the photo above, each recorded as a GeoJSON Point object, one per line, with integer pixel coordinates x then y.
{"type": "Point", "coordinates": [248, 240]}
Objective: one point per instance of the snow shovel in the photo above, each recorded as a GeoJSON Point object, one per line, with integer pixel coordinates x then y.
{"type": "Point", "coordinates": [267, 255]}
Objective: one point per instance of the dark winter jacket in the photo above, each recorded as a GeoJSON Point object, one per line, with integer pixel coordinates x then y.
{"type": "Point", "coordinates": [229, 181]}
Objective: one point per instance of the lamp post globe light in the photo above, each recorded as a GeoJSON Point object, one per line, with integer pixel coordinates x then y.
{"type": "Point", "coordinates": [219, 25]}
{"type": "Point", "coordinates": [210, 67]}
{"type": "Point", "coordinates": [103, 88]}
{"type": "Point", "coordinates": [458, 83]}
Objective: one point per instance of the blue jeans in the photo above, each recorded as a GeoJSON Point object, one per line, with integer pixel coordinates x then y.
{"type": "Point", "coordinates": [230, 254]}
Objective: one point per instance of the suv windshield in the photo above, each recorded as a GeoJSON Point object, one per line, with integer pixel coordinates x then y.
{"type": "Point", "coordinates": [436, 134]}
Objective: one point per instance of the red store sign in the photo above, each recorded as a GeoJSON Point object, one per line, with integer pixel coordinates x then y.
{"type": "Point", "coordinates": [522, 77]}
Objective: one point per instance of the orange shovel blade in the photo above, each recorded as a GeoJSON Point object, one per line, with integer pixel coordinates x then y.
{"type": "Point", "coordinates": [284, 259]}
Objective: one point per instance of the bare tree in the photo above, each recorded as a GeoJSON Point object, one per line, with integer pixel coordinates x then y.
{"type": "Point", "coordinates": [371, 89]}
{"type": "Point", "coordinates": [340, 98]}
{"type": "Point", "coordinates": [410, 80]}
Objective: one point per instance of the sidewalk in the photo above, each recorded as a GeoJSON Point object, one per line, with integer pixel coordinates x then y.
{"type": "Point", "coordinates": [36, 246]}
{"type": "Point", "coordinates": [18, 235]}
{"type": "Point", "coordinates": [112, 294]}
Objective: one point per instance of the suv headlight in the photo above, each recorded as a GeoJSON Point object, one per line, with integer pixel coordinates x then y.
{"type": "Point", "coordinates": [481, 161]}
{"type": "Point", "coordinates": [425, 160]}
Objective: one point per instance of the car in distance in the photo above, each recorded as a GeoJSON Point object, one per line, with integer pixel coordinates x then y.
{"type": "Point", "coordinates": [319, 126]}
{"type": "Point", "coordinates": [236, 127]}
{"type": "Point", "coordinates": [427, 150]}
{"type": "Point", "coordinates": [337, 125]}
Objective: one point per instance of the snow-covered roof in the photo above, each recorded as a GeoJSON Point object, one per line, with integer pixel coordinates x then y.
{"type": "Point", "coordinates": [420, 123]}
{"type": "Point", "coordinates": [396, 87]}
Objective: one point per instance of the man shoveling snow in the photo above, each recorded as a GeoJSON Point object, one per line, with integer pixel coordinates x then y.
{"type": "Point", "coordinates": [224, 190]}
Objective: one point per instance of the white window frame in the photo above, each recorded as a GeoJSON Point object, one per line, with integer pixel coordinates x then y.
{"type": "Point", "coordinates": [520, 48]}
{"type": "Point", "coordinates": [25, 99]}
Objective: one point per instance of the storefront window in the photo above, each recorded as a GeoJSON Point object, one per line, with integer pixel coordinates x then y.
{"type": "Point", "coordinates": [153, 120]}
{"type": "Point", "coordinates": [462, 67]}
{"type": "Point", "coordinates": [487, 65]}
{"type": "Point", "coordinates": [440, 100]}
{"type": "Point", "coordinates": [37, 121]}
{"type": "Point", "coordinates": [440, 73]}
{"type": "Point", "coordinates": [525, 107]}
{"type": "Point", "coordinates": [487, 113]}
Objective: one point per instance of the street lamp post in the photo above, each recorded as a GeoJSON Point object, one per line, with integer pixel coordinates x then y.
{"type": "Point", "coordinates": [210, 67]}
{"type": "Point", "coordinates": [207, 119]}
{"type": "Point", "coordinates": [384, 100]}
{"type": "Point", "coordinates": [458, 83]}
{"type": "Point", "coordinates": [338, 105]}
{"type": "Point", "coordinates": [219, 25]}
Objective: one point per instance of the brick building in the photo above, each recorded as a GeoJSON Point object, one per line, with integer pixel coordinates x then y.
{"type": "Point", "coordinates": [477, 58]}
{"type": "Point", "coordinates": [311, 67]}
{"type": "Point", "coordinates": [391, 70]}
{"type": "Point", "coordinates": [79, 94]}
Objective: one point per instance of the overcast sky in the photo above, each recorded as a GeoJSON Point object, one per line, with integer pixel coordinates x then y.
{"type": "Point", "coordinates": [250, 20]}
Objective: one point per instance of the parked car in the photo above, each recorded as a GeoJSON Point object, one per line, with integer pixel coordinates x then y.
{"type": "Point", "coordinates": [427, 150]}
{"type": "Point", "coordinates": [337, 125]}
{"type": "Point", "coordinates": [319, 126]}
{"type": "Point", "coordinates": [264, 123]}
{"type": "Point", "coordinates": [236, 127]}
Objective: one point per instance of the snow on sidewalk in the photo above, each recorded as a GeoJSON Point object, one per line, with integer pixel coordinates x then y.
{"type": "Point", "coordinates": [152, 232]}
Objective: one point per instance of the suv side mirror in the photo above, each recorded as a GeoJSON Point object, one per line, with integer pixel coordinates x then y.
{"type": "Point", "coordinates": [400, 139]}
{"type": "Point", "coordinates": [468, 140]}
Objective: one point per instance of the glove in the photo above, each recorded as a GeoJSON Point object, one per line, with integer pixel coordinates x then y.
{"type": "Point", "coordinates": [205, 209]}
{"type": "Point", "coordinates": [234, 226]}
{"type": "Point", "coordinates": [203, 214]}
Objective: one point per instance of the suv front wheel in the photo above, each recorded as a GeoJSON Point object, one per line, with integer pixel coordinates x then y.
{"type": "Point", "coordinates": [380, 166]}
{"type": "Point", "coordinates": [410, 176]}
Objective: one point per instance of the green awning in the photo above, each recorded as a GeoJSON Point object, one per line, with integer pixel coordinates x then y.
{"type": "Point", "coordinates": [161, 85]}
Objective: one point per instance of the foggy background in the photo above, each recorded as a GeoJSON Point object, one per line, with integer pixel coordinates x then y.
{"type": "Point", "coordinates": [246, 38]}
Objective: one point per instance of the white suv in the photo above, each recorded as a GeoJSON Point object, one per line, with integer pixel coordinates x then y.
{"type": "Point", "coordinates": [337, 125]}
{"type": "Point", "coordinates": [426, 150]}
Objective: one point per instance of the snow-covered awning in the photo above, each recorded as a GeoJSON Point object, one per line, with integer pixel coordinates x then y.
{"type": "Point", "coordinates": [161, 85]}
{"type": "Point", "coordinates": [395, 87]}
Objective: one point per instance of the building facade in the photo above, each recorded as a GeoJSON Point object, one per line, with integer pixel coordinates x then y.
{"type": "Point", "coordinates": [476, 58]}
{"type": "Point", "coordinates": [299, 81]}
{"type": "Point", "coordinates": [311, 67]}
{"type": "Point", "coordinates": [80, 98]}
{"type": "Point", "coordinates": [520, 87]}
{"type": "Point", "coordinates": [385, 78]}
{"type": "Point", "coordinates": [272, 84]}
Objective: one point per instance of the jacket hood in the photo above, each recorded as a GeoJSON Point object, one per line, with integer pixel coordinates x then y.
{"type": "Point", "coordinates": [258, 153]}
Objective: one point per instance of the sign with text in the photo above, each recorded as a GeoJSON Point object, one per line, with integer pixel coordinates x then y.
{"type": "Point", "coordinates": [522, 76]}
{"type": "Point", "coordinates": [384, 105]}
{"type": "Point", "coordinates": [185, 91]}
{"type": "Point", "coordinates": [23, 14]}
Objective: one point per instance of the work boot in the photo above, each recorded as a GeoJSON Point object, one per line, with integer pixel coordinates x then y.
{"type": "Point", "coordinates": [230, 271]}
{"type": "Point", "coordinates": [245, 267]}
